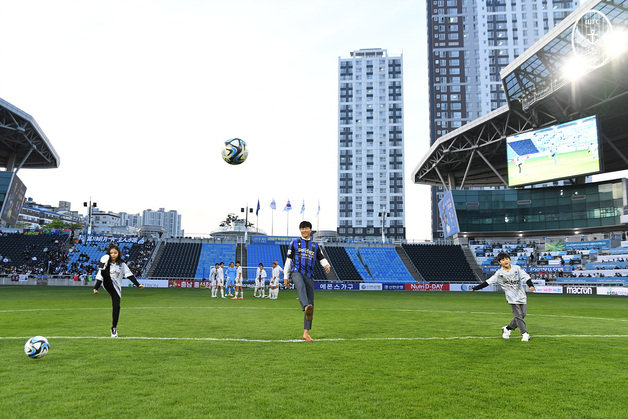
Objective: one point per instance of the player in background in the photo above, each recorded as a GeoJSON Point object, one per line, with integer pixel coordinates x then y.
{"type": "Point", "coordinates": [111, 271]}
{"type": "Point", "coordinates": [510, 278]}
{"type": "Point", "coordinates": [213, 280]}
{"type": "Point", "coordinates": [238, 281]}
{"type": "Point", "coordinates": [260, 281]}
{"type": "Point", "coordinates": [519, 162]}
{"type": "Point", "coordinates": [273, 286]}
{"type": "Point", "coordinates": [299, 266]}
{"type": "Point", "coordinates": [220, 279]}
{"type": "Point", "coordinates": [592, 151]}
{"type": "Point", "coordinates": [554, 153]}
{"type": "Point", "coordinates": [231, 274]}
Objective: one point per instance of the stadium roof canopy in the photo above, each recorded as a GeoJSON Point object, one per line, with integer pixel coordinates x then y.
{"type": "Point", "coordinates": [22, 142]}
{"type": "Point", "coordinates": [542, 90]}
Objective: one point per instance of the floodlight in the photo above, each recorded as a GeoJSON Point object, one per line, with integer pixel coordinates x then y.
{"type": "Point", "coordinates": [575, 67]}
{"type": "Point", "coordinates": [615, 43]}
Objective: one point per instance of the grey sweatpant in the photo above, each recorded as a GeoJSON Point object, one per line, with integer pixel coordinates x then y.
{"type": "Point", "coordinates": [519, 313]}
{"type": "Point", "coordinates": [305, 290]}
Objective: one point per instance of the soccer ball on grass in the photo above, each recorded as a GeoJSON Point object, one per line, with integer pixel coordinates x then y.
{"type": "Point", "coordinates": [36, 347]}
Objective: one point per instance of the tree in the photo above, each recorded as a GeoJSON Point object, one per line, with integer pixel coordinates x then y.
{"type": "Point", "coordinates": [56, 224]}
{"type": "Point", "coordinates": [231, 219]}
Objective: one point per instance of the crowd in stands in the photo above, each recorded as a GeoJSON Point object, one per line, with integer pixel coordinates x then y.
{"type": "Point", "coordinates": [138, 263]}
{"type": "Point", "coordinates": [584, 262]}
{"type": "Point", "coordinates": [38, 254]}
{"type": "Point", "coordinates": [55, 254]}
{"type": "Point", "coordinates": [48, 254]}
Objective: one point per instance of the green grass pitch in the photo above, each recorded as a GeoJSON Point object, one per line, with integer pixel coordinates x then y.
{"type": "Point", "coordinates": [377, 354]}
{"type": "Point", "coordinates": [542, 168]}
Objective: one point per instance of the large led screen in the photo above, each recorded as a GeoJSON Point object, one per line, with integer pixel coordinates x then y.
{"type": "Point", "coordinates": [557, 152]}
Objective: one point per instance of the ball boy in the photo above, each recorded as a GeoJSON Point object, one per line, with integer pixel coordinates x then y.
{"type": "Point", "coordinates": [509, 277]}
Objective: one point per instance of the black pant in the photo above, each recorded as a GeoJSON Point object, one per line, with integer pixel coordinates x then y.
{"type": "Point", "coordinates": [115, 302]}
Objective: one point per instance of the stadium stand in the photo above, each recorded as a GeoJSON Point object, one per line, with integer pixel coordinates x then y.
{"type": "Point", "coordinates": [523, 147]}
{"type": "Point", "coordinates": [138, 257]}
{"type": "Point", "coordinates": [385, 264]}
{"type": "Point", "coordinates": [21, 253]}
{"type": "Point", "coordinates": [342, 264]}
{"type": "Point", "coordinates": [360, 266]}
{"type": "Point", "coordinates": [264, 253]}
{"type": "Point", "coordinates": [609, 268]}
{"type": "Point", "coordinates": [440, 262]}
{"type": "Point", "coordinates": [178, 260]}
{"type": "Point", "coordinates": [212, 253]}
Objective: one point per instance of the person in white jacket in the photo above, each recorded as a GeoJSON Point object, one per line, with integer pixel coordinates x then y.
{"type": "Point", "coordinates": [260, 281]}
{"type": "Point", "coordinates": [111, 271]}
{"type": "Point", "coordinates": [273, 286]}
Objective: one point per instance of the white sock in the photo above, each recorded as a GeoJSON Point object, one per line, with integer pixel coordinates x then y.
{"type": "Point", "coordinates": [222, 292]}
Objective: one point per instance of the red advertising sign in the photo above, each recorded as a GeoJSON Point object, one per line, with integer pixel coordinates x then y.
{"type": "Point", "coordinates": [427, 287]}
{"type": "Point", "coordinates": [181, 283]}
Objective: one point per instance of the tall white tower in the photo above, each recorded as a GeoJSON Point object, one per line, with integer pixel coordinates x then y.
{"type": "Point", "coordinates": [370, 146]}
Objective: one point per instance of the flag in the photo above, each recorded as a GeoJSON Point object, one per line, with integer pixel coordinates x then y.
{"type": "Point", "coordinates": [288, 206]}
{"type": "Point", "coordinates": [318, 211]}
{"type": "Point", "coordinates": [273, 205]}
{"type": "Point", "coordinates": [257, 210]}
{"type": "Point", "coordinates": [303, 207]}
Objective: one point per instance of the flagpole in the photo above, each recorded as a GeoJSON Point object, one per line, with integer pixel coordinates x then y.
{"type": "Point", "coordinates": [287, 222]}
{"type": "Point", "coordinates": [318, 212]}
{"type": "Point", "coordinates": [273, 205]}
{"type": "Point", "coordinates": [257, 215]}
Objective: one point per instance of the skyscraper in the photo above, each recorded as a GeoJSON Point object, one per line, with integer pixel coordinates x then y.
{"type": "Point", "coordinates": [170, 220]}
{"type": "Point", "coordinates": [370, 145]}
{"type": "Point", "coordinates": [469, 43]}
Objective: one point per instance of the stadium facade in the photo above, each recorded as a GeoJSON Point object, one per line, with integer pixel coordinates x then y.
{"type": "Point", "coordinates": [469, 43]}
{"type": "Point", "coordinates": [543, 97]}
{"type": "Point", "coordinates": [370, 146]}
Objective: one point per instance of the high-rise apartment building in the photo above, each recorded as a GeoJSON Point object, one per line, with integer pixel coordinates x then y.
{"type": "Point", "coordinates": [370, 146]}
{"type": "Point", "coordinates": [130, 220]}
{"type": "Point", "coordinates": [169, 220]}
{"type": "Point", "coordinates": [469, 43]}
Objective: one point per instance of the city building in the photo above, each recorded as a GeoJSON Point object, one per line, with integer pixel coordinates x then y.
{"type": "Point", "coordinates": [130, 220]}
{"type": "Point", "coordinates": [370, 146]}
{"type": "Point", "coordinates": [34, 215]}
{"type": "Point", "coordinates": [469, 43]}
{"type": "Point", "coordinates": [170, 220]}
{"type": "Point", "coordinates": [104, 222]}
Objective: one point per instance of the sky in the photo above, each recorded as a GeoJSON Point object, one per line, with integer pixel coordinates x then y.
{"type": "Point", "coordinates": [137, 98]}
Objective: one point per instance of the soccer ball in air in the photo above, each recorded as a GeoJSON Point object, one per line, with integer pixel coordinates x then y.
{"type": "Point", "coordinates": [36, 347]}
{"type": "Point", "coordinates": [235, 151]}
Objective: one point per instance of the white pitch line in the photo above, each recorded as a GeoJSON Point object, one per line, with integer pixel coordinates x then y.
{"type": "Point", "coordinates": [146, 308]}
{"type": "Point", "coordinates": [316, 340]}
{"type": "Point", "coordinates": [403, 310]}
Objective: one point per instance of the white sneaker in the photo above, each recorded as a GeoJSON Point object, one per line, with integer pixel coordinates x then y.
{"type": "Point", "coordinates": [506, 333]}
{"type": "Point", "coordinates": [525, 337]}
{"type": "Point", "coordinates": [114, 332]}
